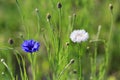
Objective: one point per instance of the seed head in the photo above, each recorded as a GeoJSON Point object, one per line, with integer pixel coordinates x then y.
{"type": "Point", "coordinates": [10, 41]}
{"type": "Point", "coordinates": [48, 16]}
{"type": "Point", "coordinates": [59, 5]}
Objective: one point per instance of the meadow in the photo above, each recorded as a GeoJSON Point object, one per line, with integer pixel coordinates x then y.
{"type": "Point", "coordinates": [59, 40]}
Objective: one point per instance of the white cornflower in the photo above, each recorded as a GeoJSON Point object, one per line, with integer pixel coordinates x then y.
{"type": "Point", "coordinates": [79, 36]}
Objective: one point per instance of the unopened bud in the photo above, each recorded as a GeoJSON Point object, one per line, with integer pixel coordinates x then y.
{"type": "Point", "coordinates": [2, 73]}
{"type": "Point", "coordinates": [88, 47]}
{"type": "Point", "coordinates": [111, 6]}
{"type": "Point", "coordinates": [67, 43]}
{"type": "Point", "coordinates": [37, 10]}
{"type": "Point", "coordinates": [2, 60]}
{"type": "Point", "coordinates": [59, 5]}
{"type": "Point", "coordinates": [91, 78]}
{"type": "Point", "coordinates": [74, 71]}
{"type": "Point", "coordinates": [21, 36]}
{"type": "Point", "coordinates": [10, 41]}
{"type": "Point", "coordinates": [72, 61]}
{"type": "Point", "coordinates": [48, 16]}
{"type": "Point", "coordinates": [74, 15]}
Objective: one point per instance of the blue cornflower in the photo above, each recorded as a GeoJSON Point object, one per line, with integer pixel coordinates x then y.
{"type": "Point", "coordinates": [30, 46]}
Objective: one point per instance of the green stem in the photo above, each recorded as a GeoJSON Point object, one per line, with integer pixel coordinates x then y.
{"type": "Point", "coordinates": [108, 45]}
{"type": "Point", "coordinates": [33, 55]}
{"type": "Point", "coordinates": [32, 58]}
{"type": "Point", "coordinates": [95, 56]}
{"type": "Point", "coordinates": [79, 63]}
{"type": "Point", "coordinates": [22, 18]}
{"type": "Point", "coordinates": [59, 31]}
{"type": "Point", "coordinates": [73, 21]}
{"type": "Point", "coordinates": [12, 77]}
{"type": "Point", "coordinates": [23, 62]}
{"type": "Point", "coordinates": [61, 73]}
{"type": "Point", "coordinates": [38, 19]}
{"type": "Point", "coordinates": [92, 68]}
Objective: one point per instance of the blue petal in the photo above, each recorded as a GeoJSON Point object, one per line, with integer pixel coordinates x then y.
{"type": "Point", "coordinates": [30, 46]}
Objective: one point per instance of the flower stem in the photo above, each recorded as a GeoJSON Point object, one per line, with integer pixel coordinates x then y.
{"type": "Point", "coordinates": [95, 56]}
{"type": "Point", "coordinates": [32, 61]}
{"type": "Point", "coordinates": [59, 30]}
{"type": "Point", "coordinates": [79, 63]}
{"type": "Point", "coordinates": [65, 68]}
{"type": "Point", "coordinates": [33, 65]}
{"type": "Point", "coordinates": [22, 18]}
{"type": "Point", "coordinates": [12, 77]}
{"type": "Point", "coordinates": [23, 74]}
{"type": "Point", "coordinates": [108, 45]}
{"type": "Point", "coordinates": [38, 19]}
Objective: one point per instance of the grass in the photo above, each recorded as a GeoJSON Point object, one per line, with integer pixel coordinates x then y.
{"type": "Point", "coordinates": [59, 58]}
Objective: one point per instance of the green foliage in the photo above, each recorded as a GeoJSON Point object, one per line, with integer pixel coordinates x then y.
{"type": "Point", "coordinates": [95, 59]}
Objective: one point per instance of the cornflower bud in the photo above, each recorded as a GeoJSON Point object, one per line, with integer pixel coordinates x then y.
{"type": "Point", "coordinates": [74, 71]}
{"type": "Point", "coordinates": [2, 60]}
{"type": "Point", "coordinates": [37, 10]}
{"type": "Point", "coordinates": [111, 6]}
{"type": "Point", "coordinates": [72, 61]}
{"type": "Point", "coordinates": [67, 43]}
{"type": "Point", "coordinates": [10, 41]}
{"type": "Point", "coordinates": [74, 14]}
{"type": "Point", "coordinates": [48, 16]}
{"type": "Point", "coordinates": [2, 73]}
{"type": "Point", "coordinates": [59, 5]}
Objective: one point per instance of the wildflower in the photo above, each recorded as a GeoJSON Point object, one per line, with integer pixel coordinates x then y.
{"type": "Point", "coordinates": [79, 36]}
{"type": "Point", "coordinates": [30, 46]}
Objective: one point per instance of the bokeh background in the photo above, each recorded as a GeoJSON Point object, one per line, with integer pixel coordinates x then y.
{"type": "Point", "coordinates": [89, 15]}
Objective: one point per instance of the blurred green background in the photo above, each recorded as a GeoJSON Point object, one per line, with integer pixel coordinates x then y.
{"type": "Point", "coordinates": [89, 15]}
